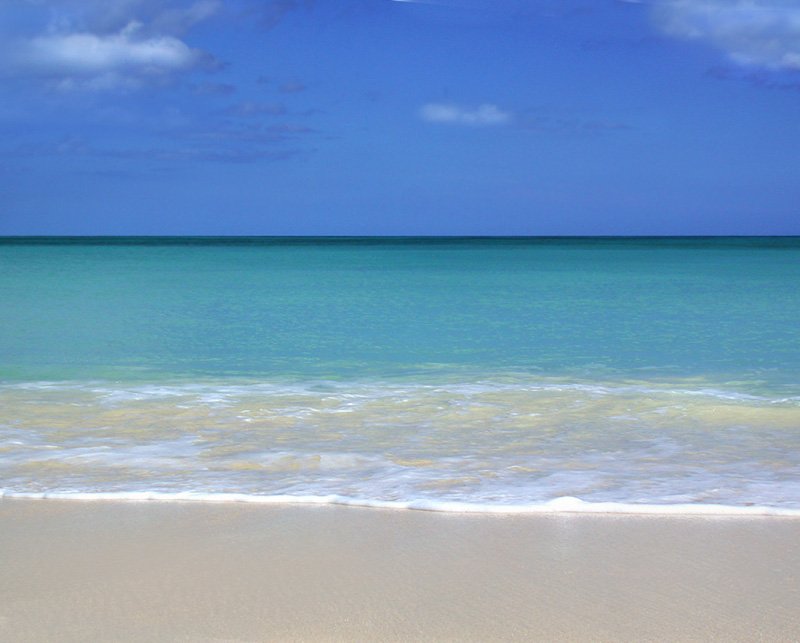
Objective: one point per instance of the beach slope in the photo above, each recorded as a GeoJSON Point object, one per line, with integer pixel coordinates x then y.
{"type": "Point", "coordinates": [76, 571]}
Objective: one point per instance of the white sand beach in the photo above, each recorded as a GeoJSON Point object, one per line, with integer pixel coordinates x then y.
{"type": "Point", "coordinates": [136, 571]}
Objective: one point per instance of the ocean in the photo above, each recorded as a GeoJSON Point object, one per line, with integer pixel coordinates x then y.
{"type": "Point", "coordinates": [653, 375]}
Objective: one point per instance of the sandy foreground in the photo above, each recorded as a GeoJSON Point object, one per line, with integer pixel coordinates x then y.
{"type": "Point", "coordinates": [145, 571]}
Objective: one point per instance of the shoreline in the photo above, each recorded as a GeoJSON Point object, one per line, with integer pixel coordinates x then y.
{"type": "Point", "coordinates": [79, 570]}
{"type": "Point", "coordinates": [556, 506]}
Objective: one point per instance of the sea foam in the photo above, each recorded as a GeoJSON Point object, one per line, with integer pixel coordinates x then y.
{"type": "Point", "coordinates": [511, 442]}
{"type": "Point", "coordinates": [564, 504]}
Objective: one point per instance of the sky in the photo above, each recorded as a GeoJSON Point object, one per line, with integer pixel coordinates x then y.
{"type": "Point", "coordinates": [399, 117]}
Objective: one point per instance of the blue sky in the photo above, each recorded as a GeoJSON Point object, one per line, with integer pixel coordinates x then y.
{"type": "Point", "coordinates": [358, 117]}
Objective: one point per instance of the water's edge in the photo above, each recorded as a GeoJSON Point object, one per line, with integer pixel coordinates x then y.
{"type": "Point", "coordinates": [566, 504]}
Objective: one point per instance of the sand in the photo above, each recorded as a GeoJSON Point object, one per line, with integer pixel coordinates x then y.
{"type": "Point", "coordinates": [112, 571]}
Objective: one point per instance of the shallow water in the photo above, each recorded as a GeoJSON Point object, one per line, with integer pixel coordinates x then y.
{"type": "Point", "coordinates": [491, 374]}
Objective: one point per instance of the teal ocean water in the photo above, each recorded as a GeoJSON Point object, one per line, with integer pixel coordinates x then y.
{"type": "Point", "coordinates": [468, 374]}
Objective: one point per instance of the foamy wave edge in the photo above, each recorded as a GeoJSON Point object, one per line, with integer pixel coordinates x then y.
{"type": "Point", "coordinates": [565, 504]}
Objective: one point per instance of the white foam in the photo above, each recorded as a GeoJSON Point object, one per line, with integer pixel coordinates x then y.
{"type": "Point", "coordinates": [565, 504]}
{"type": "Point", "coordinates": [221, 394]}
{"type": "Point", "coordinates": [624, 447]}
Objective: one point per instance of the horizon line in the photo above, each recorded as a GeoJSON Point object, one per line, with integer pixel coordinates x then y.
{"type": "Point", "coordinates": [397, 236]}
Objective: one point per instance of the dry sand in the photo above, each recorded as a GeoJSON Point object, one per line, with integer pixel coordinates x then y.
{"type": "Point", "coordinates": [90, 571]}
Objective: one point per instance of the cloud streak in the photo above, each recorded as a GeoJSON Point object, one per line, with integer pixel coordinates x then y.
{"type": "Point", "coordinates": [253, 109]}
{"type": "Point", "coordinates": [753, 33]}
{"type": "Point", "coordinates": [452, 114]}
{"type": "Point", "coordinates": [271, 13]}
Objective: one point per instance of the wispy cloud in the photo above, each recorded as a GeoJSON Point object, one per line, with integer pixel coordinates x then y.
{"type": "Point", "coordinates": [533, 120]}
{"type": "Point", "coordinates": [226, 143]}
{"type": "Point", "coordinates": [253, 108]}
{"type": "Point", "coordinates": [292, 87]}
{"type": "Point", "coordinates": [178, 20]}
{"type": "Point", "coordinates": [271, 12]}
{"type": "Point", "coordinates": [213, 89]}
{"type": "Point", "coordinates": [174, 17]}
{"type": "Point", "coordinates": [758, 77]}
{"type": "Point", "coordinates": [450, 113]}
{"type": "Point", "coordinates": [753, 33]}
{"type": "Point", "coordinates": [203, 153]}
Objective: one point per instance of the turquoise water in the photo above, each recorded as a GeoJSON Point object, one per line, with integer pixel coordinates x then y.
{"type": "Point", "coordinates": [495, 372]}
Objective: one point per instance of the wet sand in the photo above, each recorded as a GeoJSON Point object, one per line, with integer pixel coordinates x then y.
{"type": "Point", "coordinates": [78, 571]}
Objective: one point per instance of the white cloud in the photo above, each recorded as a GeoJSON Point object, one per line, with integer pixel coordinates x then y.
{"type": "Point", "coordinates": [86, 48]}
{"type": "Point", "coordinates": [87, 53]}
{"type": "Point", "coordinates": [486, 114]}
{"type": "Point", "coordinates": [753, 33]}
